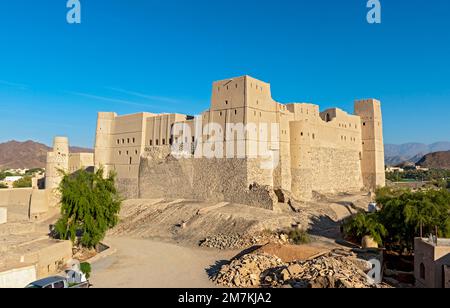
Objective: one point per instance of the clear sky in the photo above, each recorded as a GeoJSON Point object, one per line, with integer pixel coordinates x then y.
{"type": "Point", "coordinates": [162, 56]}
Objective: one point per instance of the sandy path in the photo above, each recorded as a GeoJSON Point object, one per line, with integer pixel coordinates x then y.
{"type": "Point", "coordinates": [151, 264]}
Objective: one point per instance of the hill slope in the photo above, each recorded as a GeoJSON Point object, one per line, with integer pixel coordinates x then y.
{"type": "Point", "coordinates": [411, 152]}
{"type": "Point", "coordinates": [27, 155]}
{"type": "Point", "coordinates": [438, 160]}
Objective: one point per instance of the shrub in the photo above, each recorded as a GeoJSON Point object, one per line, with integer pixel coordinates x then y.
{"type": "Point", "coordinates": [3, 186]}
{"type": "Point", "coordinates": [86, 269]}
{"type": "Point", "coordinates": [24, 182]}
{"type": "Point", "coordinates": [298, 236]}
{"type": "Point", "coordinates": [365, 225]}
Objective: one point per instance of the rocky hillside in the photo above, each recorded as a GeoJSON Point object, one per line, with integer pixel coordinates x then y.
{"type": "Point", "coordinates": [411, 152]}
{"type": "Point", "coordinates": [438, 160]}
{"type": "Point", "coordinates": [28, 154]}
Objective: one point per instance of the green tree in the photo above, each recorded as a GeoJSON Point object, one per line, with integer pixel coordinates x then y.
{"type": "Point", "coordinates": [24, 182]}
{"type": "Point", "coordinates": [406, 215]}
{"type": "Point", "coordinates": [90, 205]}
{"type": "Point", "coordinates": [364, 224]}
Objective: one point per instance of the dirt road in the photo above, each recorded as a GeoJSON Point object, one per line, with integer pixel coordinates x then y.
{"type": "Point", "coordinates": [151, 264]}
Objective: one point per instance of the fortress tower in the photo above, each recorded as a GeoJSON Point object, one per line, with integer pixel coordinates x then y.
{"type": "Point", "coordinates": [57, 160]}
{"type": "Point", "coordinates": [372, 158]}
{"type": "Point", "coordinates": [103, 137]}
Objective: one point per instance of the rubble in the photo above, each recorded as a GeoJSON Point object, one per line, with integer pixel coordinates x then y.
{"type": "Point", "coordinates": [237, 241]}
{"type": "Point", "coordinates": [334, 270]}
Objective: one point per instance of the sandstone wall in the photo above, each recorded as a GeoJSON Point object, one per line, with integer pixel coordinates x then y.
{"type": "Point", "coordinates": [335, 170]}
{"type": "Point", "coordinates": [163, 176]}
{"type": "Point", "coordinates": [18, 278]}
{"type": "Point", "coordinates": [17, 197]}
{"type": "Point", "coordinates": [128, 188]}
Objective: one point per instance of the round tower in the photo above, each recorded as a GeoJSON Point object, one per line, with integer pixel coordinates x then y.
{"type": "Point", "coordinates": [103, 142]}
{"type": "Point", "coordinates": [57, 161]}
{"type": "Point", "coordinates": [301, 167]}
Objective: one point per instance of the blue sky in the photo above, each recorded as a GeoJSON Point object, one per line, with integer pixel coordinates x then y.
{"type": "Point", "coordinates": [162, 56]}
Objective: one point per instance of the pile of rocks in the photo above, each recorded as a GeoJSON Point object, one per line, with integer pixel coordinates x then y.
{"type": "Point", "coordinates": [237, 241]}
{"type": "Point", "coordinates": [334, 270]}
{"type": "Point", "coordinates": [247, 271]}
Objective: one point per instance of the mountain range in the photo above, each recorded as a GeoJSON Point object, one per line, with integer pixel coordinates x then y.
{"type": "Point", "coordinates": [411, 152]}
{"type": "Point", "coordinates": [28, 154]}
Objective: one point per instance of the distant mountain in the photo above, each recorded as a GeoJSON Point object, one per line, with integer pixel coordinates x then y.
{"type": "Point", "coordinates": [27, 155]}
{"type": "Point", "coordinates": [438, 160]}
{"type": "Point", "coordinates": [411, 152]}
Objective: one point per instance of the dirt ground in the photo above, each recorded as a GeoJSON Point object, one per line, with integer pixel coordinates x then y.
{"type": "Point", "coordinates": [188, 222]}
{"type": "Point", "coordinates": [140, 263]}
{"type": "Point", "coordinates": [157, 240]}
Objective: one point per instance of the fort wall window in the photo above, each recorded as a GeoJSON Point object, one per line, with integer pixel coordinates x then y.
{"type": "Point", "coordinates": [422, 271]}
{"type": "Point", "coordinates": [151, 142]}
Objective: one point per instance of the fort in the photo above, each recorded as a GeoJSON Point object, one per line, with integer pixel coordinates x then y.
{"type": "Point", "coordinates": [274, 148]}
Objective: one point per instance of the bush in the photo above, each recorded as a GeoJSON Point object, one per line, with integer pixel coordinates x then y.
{"type": "Point", "coordinates": [365, 225]}
{"type": "Point", "coordinates": [24, 182]}
{"type": "Point", "coordinates": [3, 186]}
{"type": "Point", "coordinates": [86, 269]}
{"type": "Point", "coordinates": [298, 236]}
{"type": "Point", "coordinates": [90, 206]}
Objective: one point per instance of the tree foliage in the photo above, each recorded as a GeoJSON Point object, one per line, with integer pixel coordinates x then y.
{"type": "Point", "coordinates": [90, 205]}
{"type": "Point", "coordinates": [404, 215]}
{"type": "Point", "coordinates": [4, 174]}
{"type": "Point", "coordinates": [407, 213]}
{"type": "Point", "coordinates": [366, 225]}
